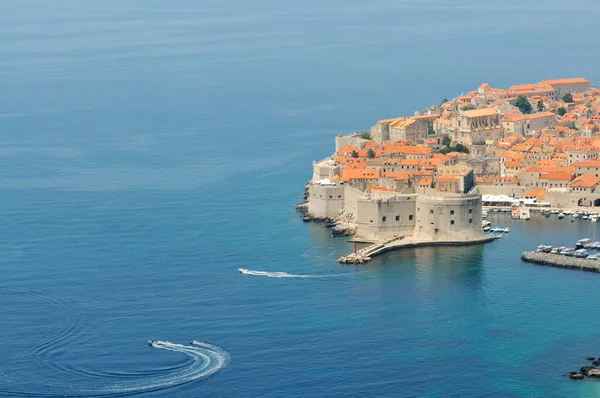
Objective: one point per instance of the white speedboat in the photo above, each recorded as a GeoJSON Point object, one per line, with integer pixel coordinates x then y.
{"type": "Point", "coordinates": [243, 270]}
{"type": "Point", "coordinates": [486, 228]}
{"type": "Point", "coordinates": [554, 250]}
{"type": "Point", "coordinates": [581, 253]}
{"type": "Point", "coordinates": [593, 257]}
{"type": "Point", "coordinates": [561, 216]}
{"type": "Point", "coordinates": [497, 236]}
{"type": "Point", "coordinates": [506, 230]}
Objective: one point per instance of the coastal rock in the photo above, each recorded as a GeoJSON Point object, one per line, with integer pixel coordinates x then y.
{"type": "Point", "coordinates": [576, 376]}
{"type": "Point", "coordinates": [596, 363]}
{"type": "Point", "coordinates": [586, 370]}
{"type": "Point", "coordinates": [590, 358]}
{"type": "Point", "coordinates": [594, 373]}
{"type": "Point", "coordinates": [344, 229]}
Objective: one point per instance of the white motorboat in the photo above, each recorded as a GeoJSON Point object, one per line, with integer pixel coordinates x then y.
{"type": "Point", "coordinates": [561, 216]}
{"type": "Point", "coordinates": [567, 252]}
{"type": "Point", "coordinates": [581, 253]}
{"type": "Point", "coordinates": [506, 230]}
{"type": "Point", "coordinates": [486, 228]}
{"type": "Point", "coordinates": [243, 270]}
{"type": "Point", "coordinates": [593, 257]}
{"type": "Point", "coordinates": [497, 236]}
{"type": "Point", "coordinates": [554, 250]}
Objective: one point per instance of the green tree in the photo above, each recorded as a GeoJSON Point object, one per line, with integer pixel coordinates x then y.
{"type": "Point", "coordinates": [446, 141]}
{"type": "Point", "coordinates": [431, 131]}
{"type": "Point", "coordinates": [444, 100]}
{"type": "Point", "coordinates": [370, 153]}
{"type": "Point", "coordinates": [468, 108]}
{"type": "Point", "coordinates": [567, 97]}
{"type": "Point", "coordinates": [366, 136]}
{"type": "Point", "coordinates": [523, 104]}
{"type": "Point", "coordinates": [354, 154]}
{"type": "Point", "coordinates": [561, 111]}
{"type": "Point", "coordinates": [540, 106]}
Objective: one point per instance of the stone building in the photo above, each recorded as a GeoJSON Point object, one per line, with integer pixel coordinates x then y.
{"type": "Point", "coordinates": [465, 124]}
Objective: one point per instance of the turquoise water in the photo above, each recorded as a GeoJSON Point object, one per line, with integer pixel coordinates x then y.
{"type": "Point", "coordinates": [152, 148]}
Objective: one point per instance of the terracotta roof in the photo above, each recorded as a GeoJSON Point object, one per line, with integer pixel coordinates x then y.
{"type": "Point", "coordinates": [398, 175]}
{"type": "Point", "coordinates": [555, 175]}
{"type": "Point", "coordinates": [584, 181]}
{"type": "Point", "coordinates": [587, 163]}
{"type": "Point", "coordinates": [481, 112]}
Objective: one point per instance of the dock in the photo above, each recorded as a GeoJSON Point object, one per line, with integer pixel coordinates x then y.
{"type": "Point", "coordinates": [402, 242]}
{"type": "Point", "coordinates": [558, 261]}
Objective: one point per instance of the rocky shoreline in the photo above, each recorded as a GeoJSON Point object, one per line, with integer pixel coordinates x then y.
{"type": "Point", "coordinates": [587, 371]}
{"type": "Point", "coordinates": [558, 261]}
{"type": "Point", "coordinates": [344, 225]}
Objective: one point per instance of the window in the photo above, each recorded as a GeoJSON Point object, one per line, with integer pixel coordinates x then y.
{"type": "Point", "coordinates": [330, 197]}
{"type": "Point", "coordinates": [410, 218]}
{"type": "Point", "coordinates": [384, 218]}
{"type": "Point", "coordinates": [470, 221]}
{"type": "Point", "coordinates": [397, 218]}
{"type": "Point", "coordinates": [339, 196]}
{"type": "Point", "coordinates": [451, 212]}
{"type": "Point", "coordinates": [430, 211]}
{"type": "Point", "coordinates": [451, 222]}
{"type": "Point", "coordinates": [470, 211]}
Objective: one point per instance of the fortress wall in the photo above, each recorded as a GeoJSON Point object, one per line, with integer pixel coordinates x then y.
{"type": "Point", "coordinates": [326, 200]}
{"type": "Point", "coordinates": [380, 219]}
{"type": "Point", "coordinates": [508, 190]}
{"type": "Point", "coordinates": [449, 218]}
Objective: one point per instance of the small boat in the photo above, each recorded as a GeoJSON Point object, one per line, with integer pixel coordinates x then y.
{"type": "Point", "coordinates": [507, 230]}
{"type": "Point", "coordinates": [152, 343]}
{"type": "Point", "coordinates": [555, 212]}
{"type": "Point", "coordinates": [593, 218]}
{"type": "Point", "coordinates": [486, 229]}
{"type": "Point", "coordinates": [581, 243]}
{"type": "Point", "coordinates": [554, 250]}
{"type": "Point", "coordinates": [593, 257]}
{"type": "Point", "coordinates": [584, 217]}
{"type": "Point", "coordinates": [514, 214]}
{"type": "Point", "coordinates": [569, 252]}
{"type": "Point", "coordinates": [497, 236]}
{"type": "Point", "coordinates": [561, 216]}
{"type": "Point", "coordinates": [581, 253]}
{"type": "Point", "coordinates": [540, 248]}
{"type": "Point", "coordinates": [243, 270]}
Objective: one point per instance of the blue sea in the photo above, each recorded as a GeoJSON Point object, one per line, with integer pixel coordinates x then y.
{"type": "Point", "coordinates": [151, 148]}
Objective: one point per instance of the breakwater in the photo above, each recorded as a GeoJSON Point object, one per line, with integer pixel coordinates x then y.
{"type": "Point", "coordinates": [558, 261]}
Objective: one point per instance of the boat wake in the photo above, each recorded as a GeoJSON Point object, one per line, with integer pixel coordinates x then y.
{"type": "Point", "coordinates": [205, 360]}
{"type": "Point", "coordinates": [285, 274]}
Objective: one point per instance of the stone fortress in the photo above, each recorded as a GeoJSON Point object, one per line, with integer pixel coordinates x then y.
{"type": "Point", "coordinates": [410, 176]}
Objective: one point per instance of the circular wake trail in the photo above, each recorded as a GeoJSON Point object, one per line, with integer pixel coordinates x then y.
{"type": "Point", "coordinates": [205, 360]}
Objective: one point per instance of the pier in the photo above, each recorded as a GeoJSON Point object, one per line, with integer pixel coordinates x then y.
{"type": "Point", "coordinates": [558, 261]}
{"type": "Point", "coordinates": [403, 242]}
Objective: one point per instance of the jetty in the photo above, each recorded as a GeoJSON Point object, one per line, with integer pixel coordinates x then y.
{"type": "Point", "coordinates": [403, 242]}
{"type": "Point", "coordinates": [558, 261]}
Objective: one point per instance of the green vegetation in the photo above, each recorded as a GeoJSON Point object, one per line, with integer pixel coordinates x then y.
{"type": "Point", "coordinates": [561, 111]}
{"type": "Point", "coordinates": [457, 148]}
{"type": "Point", "coordinates": [431, 131]}
{"type": "Point", "coordinates": [370, 153]}
{"type": "Point", "coordinates": [446, 141]}
{"type": "Point", "coordinates": [354, 154]}
{"type": "Point", "coordinates": [523, 104]}
{"type": "Point", "coordinates": [468, 108]}
{"type": "Point", "coordinates": [567, 98]}
{"type": "Point", "coordinates": [366, 136]}
{"type": "Point", "coordinates": [572, 126]}
{"type": "Point", "coordinates": [444, 100]}
{"type": "Point", "coordinates": [540, 106]}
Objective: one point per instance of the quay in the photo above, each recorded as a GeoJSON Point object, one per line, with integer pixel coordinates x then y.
{"type": "Point", "coordinates": [403, 242]}
{"type": "Point", "coordinates": [558, 261]}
